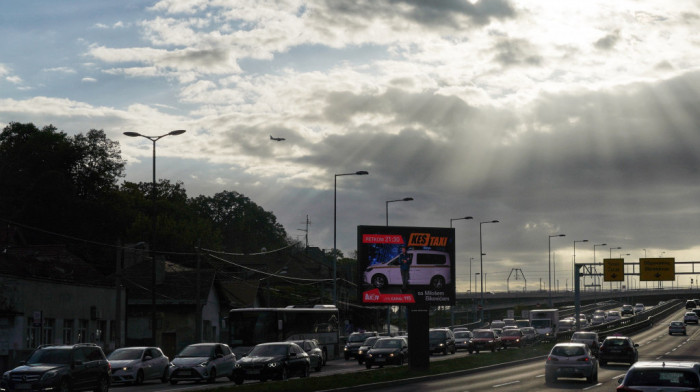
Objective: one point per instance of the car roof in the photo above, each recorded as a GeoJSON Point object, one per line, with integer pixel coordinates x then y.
{"type": "Point", "coordinates": [570, 344]}
{"type": "Point", "coordinates": [666, 365]}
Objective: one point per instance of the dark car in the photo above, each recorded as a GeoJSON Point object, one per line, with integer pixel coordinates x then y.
{"type": "Point", "coordinates": [442, 340]}
{"type": "Point", "coordinates": [366, 345]}
{"type": "Point", "coordinates": [64, 368]}
{"type": "Point", "coordinates": [387, 351]}
{"type": "Point", "coordinates": [354, 342]}
{"type": "Point", "coordinates": [484, 339]}
{"type": "Point", "coordinates": [690, 304]}
{"type": "Point", "coordinates": [661, 376]}
{"type": "Point", "coordinates": [462, 339]}
{"type": "Point", "coordinates": [268, 361]}
{"type": "Point", "coordinates": [627, 310]}
{"type": "Point", "coordinates": [202, 362]}
{"type": "Point", "coordinates": [618, 349]}
{"type": "Point", "coordinates": [315, 353]}
{"type": "Point", "coordinates": [512, 338]}
{"type": "Point", "coordinates": [676, 327]}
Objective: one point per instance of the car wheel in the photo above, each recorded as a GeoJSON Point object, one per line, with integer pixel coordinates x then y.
{"type": "Point", "coordinates": [139, 378]}
{"type": "Point", "coordinates": [318, 367]}
{"type": "Point", "coordinates": [173, 382]}
{"type": "Point", "coordinates": [102, 384]}
{"type": "Point", "coordinates": [239, 380]}
{"type": "Point", "coordinates": [437, 282]}
{"type": "Point", "coordinates": [64, 386]}
{"type": "Point", "coordinates": [368, 366]}
{"type": "Point", "coordinates": [444, 351]}
{"type": "Point", "coordinates": [164, 377]}
{"type": "Point", "coordinates": [284, 376]}
{"type": "Point", "coordinates": [347, 356]}
{"type": "Point", "coordinates": [454, 349]}
{"type": "Point", "coordinates": [549, 379]}
{"type": "Point", "coordinates": [212, 376]}
{"type": "Point", "coordinates": [379, 281]}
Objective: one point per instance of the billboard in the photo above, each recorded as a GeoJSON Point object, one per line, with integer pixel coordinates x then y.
{"type": "Point", "coordinates": [403, 265]}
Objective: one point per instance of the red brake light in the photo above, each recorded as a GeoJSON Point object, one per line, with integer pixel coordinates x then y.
{"type": "Point", "coordinates": [583, 359]}
{"type": "Point", "coordinates": [551, 358]}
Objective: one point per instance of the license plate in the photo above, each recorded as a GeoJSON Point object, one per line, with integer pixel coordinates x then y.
{"type": "Point", "coordinates": [185, 373]}
{"type": "Point", "coordinates": [380, 360]}
{"type": "Point", "coordinates": [23, 386]}
{"type": "Point", "coordinates": [254, 371]}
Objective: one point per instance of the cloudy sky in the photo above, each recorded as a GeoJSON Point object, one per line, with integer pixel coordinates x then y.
{"type": "Point", "coordinates": [553, 117]}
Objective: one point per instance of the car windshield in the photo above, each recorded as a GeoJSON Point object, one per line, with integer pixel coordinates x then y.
{"type": "Point", "coordinates": [568, 351]}
{"type": "Point", "coordinates": [460, 335]}
{"type": "Point", "coordinates": [356, 338]}
{"type": "Point", "coordinates": [438, 334]}
{"type": "Point", "coordinates": [125, 354]}
{"type": "Point", "coordinates": [195, 351]}
{"type": "Point", "coordinates": [616, 342]}
{"type": "Point", "coordinates": [511, 332]}
{"type": "Point", "coordinates": [662, 378]}
{"type": "Point", "coordinates": [387, 343]}
{"type": "Point", "coordinates": [541, 323]}
{"type": "Point", "coordinates": [584, 335]}
{"type": "Point", "coordinates": [483, 334]}
{"type": "Point", "coordinates": [370, 341]}
{"type": "Point", "coordinates": [268, 350]}
{"type": "Point", "coordinates": [677, 323]}
{"type": "Point", "coordinates": [50, 356]}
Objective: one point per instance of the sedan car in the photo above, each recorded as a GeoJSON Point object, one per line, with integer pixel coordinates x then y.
{"type": "Point", "coordinates": [690, 318]}
{"type": "Point", "coordinates": [571, 360]}
{"type": "Point", "coordinates": [676, 327]}
{"type": "Point", "coordinates": [512, 338]}
{"type": "Point", "coordinates": [362, 351]}
{"type": "Point", "coordinates": [597, 320]}
{"type": "Point", "coordinates": [638, 308]}
{"type": "Point", "coordinates": [387, 351]}
{"type": "Point", "coordinates": [202, 362]}
{"type": "Point", "coordinates": [661, 376]}
{"type": "Point", "coordinates": [529, 335]}
{"type": "Point", "coordinates": [310, 347]}
{"type": "Point", "coordinates": [627, 310]}
{"type": "Point", "coordinates": [485, 339]}
{"type": "Point", "coordinates": [462, 339]}
{"type": "Point", "coordinates": [266, 361]}
{"type": "Point", "coordinates": [134, 365]}
{"type": "Point", "coordinates": [618, 349]}
{"type": "Point", "coordinates": [612, 315]}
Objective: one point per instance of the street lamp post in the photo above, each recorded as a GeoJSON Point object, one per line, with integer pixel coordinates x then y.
{"type": "Point", "coordinates": [481, 263]}
{"type": "Point", "coordinates": [573, 277]}
{"type": "Point", "coordinates": [391, 201]}
{"type": "Point", "coordinates": [335, 249]}
{"type": "Point", "coordinates": [154, 139]}
{"type": "Point", "coordinates": [550, 265]}
{"type": "Point", "coordinates": [599, 284]}
{"type": "Point", "coordinates": [452, 311]}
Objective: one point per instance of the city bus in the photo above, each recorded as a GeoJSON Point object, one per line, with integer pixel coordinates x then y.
{"type": "Point", "coordinates": [251, 326]}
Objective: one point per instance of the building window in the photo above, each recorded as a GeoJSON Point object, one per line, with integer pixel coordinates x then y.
{"type": "Point", "coordinates": [67, 331]}
{"type": "Point", "coordinates": [83, 326]}
{"type": "Point", "coordinates": [48, 331]}
{"type": "Point", "coordinates": [33, 334]}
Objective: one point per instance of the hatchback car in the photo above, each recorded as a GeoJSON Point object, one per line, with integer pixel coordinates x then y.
{"type": "Point", "coordinates": [62, 368]}
{"type": "Point", "coordinates": [462, 339]}
{"type": "Point", "coordinates": [512, 338]}
{"type": "Point", "coordinates": [387, 351]}
{"type": "Point", "coordinates": [690, 318]}
{"type": "Point", "coordinates": [268, 361]}
{"type": "Point", "coordinates": [202, 362]}
{"type": "Point", "coordinates": [571, 360]}
{"type": "Point", "coordinates": [597, 320]}
{"type": "Point", "coordinates": [618, 349]}
{"type": "Point", "coordinates": [676, 327]}
{"type": "Point", "coordinates": [354, 342]}
{"type": "Point", "coordinates": [134, 365]}
{"type": "Point", "coordinates": [661, 376]}
{"type": "Point", "coordinates": [612, 315]}
{"type": "Point", "coordinates": [442, 340]}
{"type": "Point", "coordinates": [484, 339]}
{"type": "Point", "coordinates": [311, 348]}
{"type": "Point", "coordinates": [590, 339]}
{"type": "Point", "coordinates": [366, 345]}
{"type": "Point", "coordinates": [690, 304]}
{"type": "Point", "coordinates": [529, 335]}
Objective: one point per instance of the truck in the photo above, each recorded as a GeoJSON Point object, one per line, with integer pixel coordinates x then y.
{"type": "Point", "coordinates": [545, 323]}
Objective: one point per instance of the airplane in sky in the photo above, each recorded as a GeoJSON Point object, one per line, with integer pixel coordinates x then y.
{"type": "Point", "coordinates": [277, 139]}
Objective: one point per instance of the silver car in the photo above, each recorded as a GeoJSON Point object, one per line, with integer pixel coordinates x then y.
{"type": "Point", "coordinates": [203, 362]}
{"type": "Point", "coordinates": [571, 360]}
{"type": "Point", "coordinates": [134, 365]}
{"type": "Point", "coordinates": [661, 376]}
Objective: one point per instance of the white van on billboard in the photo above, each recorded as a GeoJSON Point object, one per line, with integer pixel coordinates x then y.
{"type": "Point", "coordinates": [428, 268]}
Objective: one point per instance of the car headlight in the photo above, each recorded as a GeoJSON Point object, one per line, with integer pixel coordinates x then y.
{"type": "Point", "coordinates": [370, 355]}
{"type": "Point", "coordinates": [48, 375]}
{"type": "Point", "coordinates": [345, 348]}
{"type": "Point", "coordinates": [391, 355]}
{"type": "Point", "coordinates": [273, 364]}
{"type": "Point", "coordinates": [126, 368]}
{"type": "Point", "coordinates": [6, 375]}
{"type": "Point", "coordinates": [442, 344]}
{"type": "Point", "coordinates": [204, 364]}
{"type": "Point", "coordinates": [237, 365]}
{"type": "Point", "coordinates": [359, 352]}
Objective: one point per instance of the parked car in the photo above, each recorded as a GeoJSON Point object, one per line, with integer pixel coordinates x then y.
{"type": "Point", "coordinates": [442, 340]}
{"type": "Point", "coordinates": [354, 342]}
{"type": "Point", "coordinates": [428, 268]}
{"type": "Point", "coordinates": [366, 345]}
{"type": "Point", "coordinates": [627, 310]}
{"type": "Point", "coordinates": [512, 338]}
{"type": "Point", "coordinates": [272, 361]}
{"type": "Point", "coordinates": [202, 362]}
{"type": "Point", "coordinates": [484, 339]}
{"type": "Point", "coordinates": [62, 368]}
{"type": "Point", "coordinates": [676, 327]}
{"type": "Point", "coordinates": [134, 365]}
{"type": "Point", "coordinates": [462, 339]}
{"type": "Point", "coordinates": [638, 308]}
{"type": "Point", "coordinates": [690, 318]}
{"type": "Point", "coordinates": [311, 348]}
{"type": "Point", "coordinates": [588, 338]}
{"type": "Point", "coordinates": [618, 349]}
{"type": "Point", "coordinates": [661, 376]}
{"type": "Point", "coordinates": [387, 351]}
{"type": "Point", "coordinates": [571, 360]}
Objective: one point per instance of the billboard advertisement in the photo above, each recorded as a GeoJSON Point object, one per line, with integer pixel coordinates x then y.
{"type": "Point", "coordinates": [403, 265]}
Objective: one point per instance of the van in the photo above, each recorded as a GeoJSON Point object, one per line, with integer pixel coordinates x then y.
{"type": "Point", "coordinates": [428, 268]}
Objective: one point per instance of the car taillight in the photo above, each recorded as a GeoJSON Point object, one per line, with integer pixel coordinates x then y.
{"type": "Point", "coordinates": [585, 359]}
{"type": "Point", "coordinates": [552, 359]}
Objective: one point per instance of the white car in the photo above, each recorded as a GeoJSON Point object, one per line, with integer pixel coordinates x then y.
{"type": "Point", "coordinates": [428, 267]}
{"type": "Point", "coordinates": [203, 362]}
{"type": "Point", "coordinates": [638, 308]}
{"type": "Point", "coordinates": [134, 365]}
{"type": "Point", "coordinates": [612, 315]}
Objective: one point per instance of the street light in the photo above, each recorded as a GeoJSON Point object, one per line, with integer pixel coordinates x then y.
{"type": "Point", "coordinates": [550, 265]}
{"type": "Point", "coordinates": [391, 201]}
{"type": "Point", "coordinates": [599, 284]}
{"type": "Point", "coordinates": [154, 139]}
{"type": "Point", "coordinates": [481, 262]}
{"type": "Point", "coordinates": [335, 250]}
{"type": "Point", "coordinates": [573, 273]}
{"type": "Point", "coordinates": [452, 312]}
{"type": "Point", "coordinates": [611, 249]}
